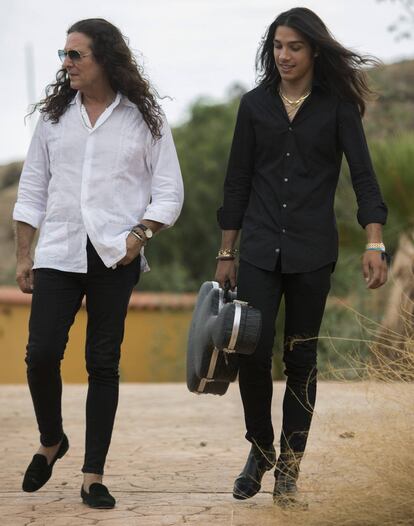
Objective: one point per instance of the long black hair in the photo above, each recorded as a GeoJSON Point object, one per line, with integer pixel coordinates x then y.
{"type": "Point", "coordinates": [111, 51]}
{"type": "Point", "coordinates": [337, 68]}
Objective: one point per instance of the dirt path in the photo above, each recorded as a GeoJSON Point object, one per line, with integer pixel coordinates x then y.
{"type": "Point", "coordinates": [174, 457]}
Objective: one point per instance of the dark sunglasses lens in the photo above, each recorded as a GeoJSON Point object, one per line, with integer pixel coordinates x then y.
{"type": "Point", "coordinates": [72, 54]}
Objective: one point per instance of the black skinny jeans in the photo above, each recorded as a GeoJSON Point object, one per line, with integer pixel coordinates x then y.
{"type": "Point", "coordinates": [57, 297]}
{"type": "Point", "coordinates": [305, 297]}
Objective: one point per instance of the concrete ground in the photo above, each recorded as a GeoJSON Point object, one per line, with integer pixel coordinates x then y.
{"type": "Point", "coordinates": [174, 456]}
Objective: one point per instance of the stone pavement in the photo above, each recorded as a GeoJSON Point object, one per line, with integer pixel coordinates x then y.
{"type": "Point", "coordinates": [173, 458]}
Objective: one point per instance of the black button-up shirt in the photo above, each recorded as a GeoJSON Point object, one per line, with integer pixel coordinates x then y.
{"type": "Point", "coordinates": [282, 177]}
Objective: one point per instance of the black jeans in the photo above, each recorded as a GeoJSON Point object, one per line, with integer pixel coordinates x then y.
{"type": "Point", "coordinates": [57, 296]}
{"type": "Point", "coordinates": [305, 297]}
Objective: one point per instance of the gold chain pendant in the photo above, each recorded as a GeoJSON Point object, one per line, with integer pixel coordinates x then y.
{"type": "Point", "coordinates": [294, 103]}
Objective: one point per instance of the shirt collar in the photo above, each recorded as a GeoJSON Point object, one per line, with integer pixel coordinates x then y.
{"type": "Point", "coordinates": [316, 83]}
{"type": "Point", "coordinates": [119, 99]}
{"type": "Point", "coordinates": [124, 100]}
{"type": "Point", "coordinates": [76, 99]}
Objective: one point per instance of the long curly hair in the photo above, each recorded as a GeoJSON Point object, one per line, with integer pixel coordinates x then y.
{"type": "Point", "coordinates": [111, 51]}
{"type": "Point", "coordinates": [337, 68]}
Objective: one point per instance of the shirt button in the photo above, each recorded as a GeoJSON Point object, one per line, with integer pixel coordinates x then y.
{"type": "Point", "coordinates": [286, 179]}
{"type": "Point", "coordinates": [277, 250]}
{"type": "Point", "coordinates": [283, 230]}
{"type": "Point", "coordinates": [288, 154]}
{"type": "Point", "coordinates": [290, 128]}
{"type": "Point", "coordinates": [284, 205]}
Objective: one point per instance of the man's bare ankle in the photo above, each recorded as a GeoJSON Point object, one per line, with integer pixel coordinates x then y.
{"type": "Point", "coordinates": [91, 478]}
{"type": "Point", "coordinates": [49, 451]}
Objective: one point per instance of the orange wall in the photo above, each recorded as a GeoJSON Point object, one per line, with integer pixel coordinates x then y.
{"type": "Point", "coordinates": [153, 350]}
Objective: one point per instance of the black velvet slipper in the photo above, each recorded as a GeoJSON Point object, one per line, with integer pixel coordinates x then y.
{"type": "Point", "coordinates": [39, 471]}
{"type": "Point", "coordinates": [98, 496]}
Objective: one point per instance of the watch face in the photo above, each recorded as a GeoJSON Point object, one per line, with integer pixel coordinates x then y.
{"type": "Point", "coordinates": [147, 231]}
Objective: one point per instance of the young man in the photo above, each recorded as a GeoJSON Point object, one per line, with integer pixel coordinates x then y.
{"type": "Point", "coordinates": [290, 136]}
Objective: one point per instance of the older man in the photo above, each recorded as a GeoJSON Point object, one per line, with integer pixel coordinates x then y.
{"type": "Point", "coordinates": [101, 177]}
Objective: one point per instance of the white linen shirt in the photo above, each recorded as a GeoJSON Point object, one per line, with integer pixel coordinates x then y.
{"type": "Point", "coordinates": [79, 181]}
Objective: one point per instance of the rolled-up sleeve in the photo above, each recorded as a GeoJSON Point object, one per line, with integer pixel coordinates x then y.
{"type": "Point", "coordinates": [31, 201]}
{"type": "Point", "coordinates": [239, 174]}
{"type": "Point", "coordinates": [167, 191]}
{"type": "Point", "coordinates": [371, 207]}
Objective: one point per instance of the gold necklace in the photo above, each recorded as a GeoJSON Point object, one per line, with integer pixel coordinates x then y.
{"type": "Point", "coordinates": [294, 103]}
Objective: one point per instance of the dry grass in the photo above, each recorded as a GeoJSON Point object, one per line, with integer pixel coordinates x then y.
{"type": "Point", "coordinates": [378, 482]}
{"type": "Point", "coordinates": [376, 463]}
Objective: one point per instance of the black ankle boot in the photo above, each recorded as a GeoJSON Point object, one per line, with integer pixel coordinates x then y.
{"type": "Point", "coordinates": [285, 486]}
{"type": "Point", "coordinates": [260, 460]}
{"type": "Point", "coordinates": [286, 475]}
{"type": "Point", "coordinates": [39, 471]}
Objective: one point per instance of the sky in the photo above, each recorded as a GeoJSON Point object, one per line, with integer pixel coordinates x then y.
{"type": "Point", "coordinates": [189, 48]}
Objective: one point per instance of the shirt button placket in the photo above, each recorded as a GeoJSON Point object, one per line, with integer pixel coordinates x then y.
{"type": "Point", "coordinates": [284, 205]}
{"type": "Point", "coordinates": [86, 172]}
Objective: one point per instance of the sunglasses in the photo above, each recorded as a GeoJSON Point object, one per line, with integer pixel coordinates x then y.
{"type": "Point", "coordinates": [72, 54]}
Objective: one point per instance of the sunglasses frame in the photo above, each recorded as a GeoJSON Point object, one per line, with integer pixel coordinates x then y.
{"type": "Point", "coordinates": [63, 55]}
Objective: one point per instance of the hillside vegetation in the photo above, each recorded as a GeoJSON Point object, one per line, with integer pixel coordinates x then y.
{"type": "Point", "coordinates": [203, 144]}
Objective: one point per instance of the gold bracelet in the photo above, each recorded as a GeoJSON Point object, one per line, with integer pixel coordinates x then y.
{"type": "Point", "coordinates": [138, 236]}
{"type": "Point", "coordinates": [227, 253]}
{"type": "Point", "coordinates": [375, 246]}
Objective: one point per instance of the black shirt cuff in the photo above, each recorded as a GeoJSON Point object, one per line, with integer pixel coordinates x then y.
{"type": "Point", "coordinates": [374, 215]}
